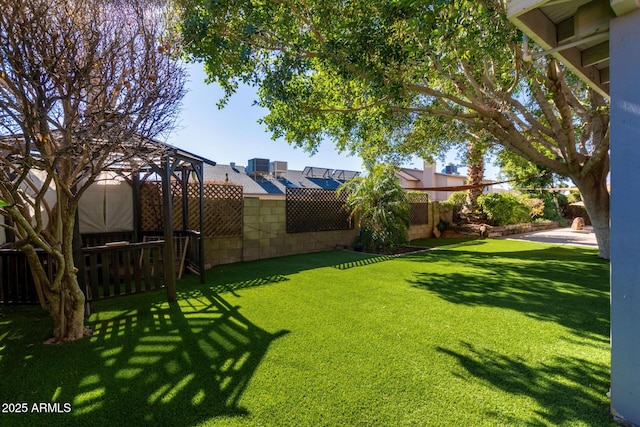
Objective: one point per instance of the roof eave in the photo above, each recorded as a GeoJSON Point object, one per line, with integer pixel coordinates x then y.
{"type": "Point", "coordinates": [527, 16]}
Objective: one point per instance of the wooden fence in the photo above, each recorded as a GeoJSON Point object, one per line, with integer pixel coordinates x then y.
{"type": "Point", "coordinates": [111, 271]}
{"type": "Point", "coordinates": [222, 206]}
{"type": "Point", "coordinates": [107, 271]}
{"type": "Point", "coordinates": [419, 213]}
{"type": "Point", "coordinates": [16, 282]}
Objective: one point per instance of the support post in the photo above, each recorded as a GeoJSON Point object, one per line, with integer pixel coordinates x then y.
{"type": "Point", "coordinates": [625, 172]}
{"type": "Point", "coordinates": [167, 214]}
{"type": "Point", "coordinates": [184, 184]}
{"type": "Point", "coordinates": [136, 187]}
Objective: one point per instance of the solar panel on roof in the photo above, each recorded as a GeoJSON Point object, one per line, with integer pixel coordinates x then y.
{"type": "Point", "coordinates": [344, 175]}
{"type": "Point", "coordinates": [313, 172]}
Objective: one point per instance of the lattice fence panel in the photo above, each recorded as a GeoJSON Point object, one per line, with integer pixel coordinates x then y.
{"type": "Point", "coordinates": [222, 205]}
{"type": "Point", "coordinates": [176, 202]}
{"type": "Point", "coordinates": [419, 213]}
{"type": "Point", "coordinates": [315, 209]}
{"type": "Point", "coordinates": [223, 209]}
{"type": "Point", "coordinates": [151, 205]}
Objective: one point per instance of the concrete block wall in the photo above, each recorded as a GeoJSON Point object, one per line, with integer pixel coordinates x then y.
{"type": "Point", "coordinates": [423, 231]}
{"type": "Point", "coordinates": [265, 236]}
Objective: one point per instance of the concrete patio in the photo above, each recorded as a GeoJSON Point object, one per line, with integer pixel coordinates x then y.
{"type": "Point", "coordinates": [560, 236]}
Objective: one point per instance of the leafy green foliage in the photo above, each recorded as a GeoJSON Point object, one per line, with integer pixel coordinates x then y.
{"type": "Point", "coordinates": [389, 79]}
{"type": "Point", "coordinates": [552, 205]}
{"type": "Point", "coordinates": [366, 74]}
{"type": "Point", "coordinates": [524, 174]}
{"type": "Point", "coordinates": [455, 201]}
{"type": "Point", "coordinates": [573, 197]}
{"type": "Point", "coordinates": [532, 181]}
{"type": "Point", "coordinates": [504, 209]}
{"type": "Point", "coordinates": [536, 206]}
{"type": "Point", "coordinates": [455, 204]}
{"type": "Point", "coordinates": [381, 207]}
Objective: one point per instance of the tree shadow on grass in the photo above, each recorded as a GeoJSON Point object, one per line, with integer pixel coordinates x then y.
{"type": "Point", "coordinates": [566, 286]}
{"type": "Point", "coordinates": [234, 277]}
{"type": "Point", "coordinates": [182, 363]}
{"type": "Point", "coordinates": [569, 389]}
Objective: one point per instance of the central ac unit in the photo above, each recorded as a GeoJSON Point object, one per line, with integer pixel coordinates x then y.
{"type": "Point", "coordinates": [278, 168]}
{"type": "Point", "coordinates": [258, 167]}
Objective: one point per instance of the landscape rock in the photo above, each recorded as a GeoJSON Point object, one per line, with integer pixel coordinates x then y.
{"type": "Point", "coordinates": [578, 223]}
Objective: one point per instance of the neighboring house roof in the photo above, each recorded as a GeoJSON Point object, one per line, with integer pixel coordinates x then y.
{"type": "Point", "coordinates": [270, 184]}
{"type": "Point", "coordinates": [410, 174]}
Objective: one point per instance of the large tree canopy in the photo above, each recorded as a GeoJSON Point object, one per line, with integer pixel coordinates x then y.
{"type": "Point", "coordinates": [405, 77]}
{"type": "Point", "coordinates": [82, 84]}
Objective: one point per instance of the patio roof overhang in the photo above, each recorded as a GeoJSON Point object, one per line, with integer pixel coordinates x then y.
{"type": "Point", "coordinates": [576, 32]}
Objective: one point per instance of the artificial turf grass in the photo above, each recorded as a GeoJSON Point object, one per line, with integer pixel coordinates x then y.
{"type": "Point", "coordinates": [483, 333]}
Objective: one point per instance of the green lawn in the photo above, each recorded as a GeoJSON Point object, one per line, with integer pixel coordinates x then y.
{"type": "Point", "coordinates": [479, 333]}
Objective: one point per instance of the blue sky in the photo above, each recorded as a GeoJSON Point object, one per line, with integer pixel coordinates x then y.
{"type": "Point", "coordinates": [233, 134]}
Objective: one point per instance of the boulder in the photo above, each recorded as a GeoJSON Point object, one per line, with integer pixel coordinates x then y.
{"type": "Point", "coordinates": [578, 223]}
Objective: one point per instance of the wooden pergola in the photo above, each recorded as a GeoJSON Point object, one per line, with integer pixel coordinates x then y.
{"type": "Point", "coordinates": [169, 162]}
{"type": "Point", "coordinates": [135, 162]}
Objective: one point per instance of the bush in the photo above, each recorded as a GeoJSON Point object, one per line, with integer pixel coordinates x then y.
{"type": "Point", "coordinates": [550, 208]}
{"type": "Point", "coordinates": [536, 206]}
{"type": "Point", "coordinates": [504, 209]}
{"type": "Point", "coordinates": [454, 204]}
{"type": "Point", "coordinates": [574, 197]}
{"type": "Point", "coordinates": [562, 199]}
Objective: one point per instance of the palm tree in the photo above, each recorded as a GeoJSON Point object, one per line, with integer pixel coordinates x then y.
{"type": "Point", "coordinates": [381, 207]}
{"type": "Point", "coordinates": [475, 174]}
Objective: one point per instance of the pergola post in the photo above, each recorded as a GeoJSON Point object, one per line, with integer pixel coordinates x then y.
{"type": "Point", "coordinates": [184, 184]}
{"type": "Point", "coordinates": [199, 170]}
{"type": "Point", "coordinates": [167, 215]}
{"type": "Point", "coordinates": [136, 184]}
{"type": "Point", "coordinates": [625, 237]}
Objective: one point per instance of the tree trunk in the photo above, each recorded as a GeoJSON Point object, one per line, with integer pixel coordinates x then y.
{"type": "Point", "coordinates": [64, 298]}
{"type": "Point", "coordinates": [475, 174]}
{"type": "Point", "coordinates": [595, 196]}
{"type": "Point", "coordinates": [66, 304]}
{"type": "Point", "coordinates": [67, 311]}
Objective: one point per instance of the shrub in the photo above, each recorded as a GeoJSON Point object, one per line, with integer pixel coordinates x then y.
{"type": "Point", "coordinates": [455, 201]}
{"type": "Point", "coordinates": [553, 203]}
{"type": "Point", "coordinates": [574, 197]}
{"type": "Point", "coordinates": [454, 204]}
{"type": "Point", "coordinates": [536, 206]}
{"type": "Point", "coordinates": [504, 209]}
{"type": "Point", "coordinates": [562, 199]}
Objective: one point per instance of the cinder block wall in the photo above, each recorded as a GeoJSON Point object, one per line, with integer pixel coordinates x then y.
{"type": "Point", "coordinates": [265, 236]}
{"type": "Point", "coordinates": [423, 231]}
